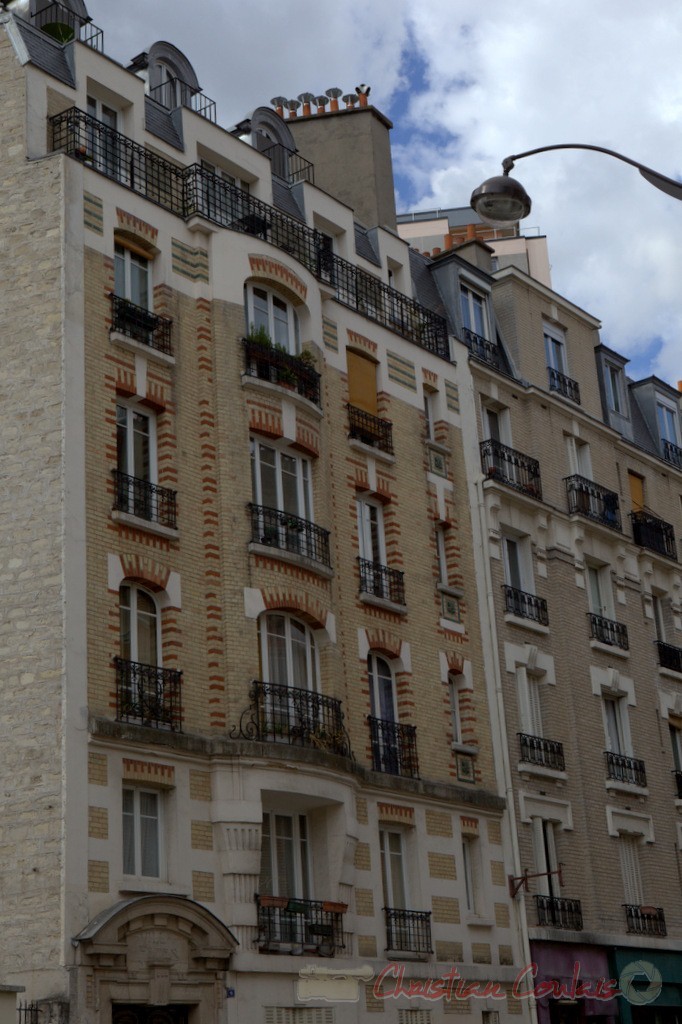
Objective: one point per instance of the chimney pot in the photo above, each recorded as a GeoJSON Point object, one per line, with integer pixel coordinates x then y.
{"type": "Point", "coordinates": [350, 99]}
{"type": "Point", "coordinates": [322, 102]}
{"type": "Point", "coordinates": [333, 95]}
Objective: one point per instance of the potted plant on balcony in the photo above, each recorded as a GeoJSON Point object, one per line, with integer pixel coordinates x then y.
{"type": "Point", "coordinates": [275, 902]}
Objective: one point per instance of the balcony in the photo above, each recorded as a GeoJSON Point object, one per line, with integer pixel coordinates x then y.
{"type": "Point", "coordinates": [525, 606]}
{"type": "Point", "coordinates": [672, 453]}
{"type": "Point", "coordinates": [145, 500]}
{"type": "Point", "coordinates": [408, 931]}
{"type": "Point", "coordinates": [148, 695]}
{"type": "Point", "coordinates": [563, 385]}
{"type": "Point", "coordinates": [677, 778]}
{"type": "Point", "coordinates": [621, 768]}
{"type": "Point", "coordinates": [292, 925]}
{"type": "Point", "coordinates": [586, 498]}
{"type": "Point", "coordinates": [394, 748]}
{"type": "Point", "coordinates": [557, 912]}
{"type": "Point", "coordinates": [141, 325]}
{"type": "Point", "coordinates": [287, 165]}
{"type": "Point", "coordinates": [266, 362]}
{"type": "Point", "coordinates": [369, 429]}
{"type": "Point", "coordinates": [654, 534]}
{"type": "Point", "coordinates": [175, 93]}
{"type": "Point", "coordinates": [380, 581]}
{"type": "Point", "coordinates": [64, 25]}
{"type": "Point", "coordinates": [645, 920]}
{"type": "Point", "coordinates": [607, 631]}
{"type": "Point", "coordinates": [512, 468]}
{"type": "Point", "coordinates": [669, 657]}
{"type": "Point", "coordinates": [545, 753]}
{"type": "Point", "coordinates": [196, 192]}
{"type": "Point", "coordinates": [287, 532]}
{"type": "Point", "coordinates": [482, 349]}
{"type": "Point", "coordinates": [299, 717]}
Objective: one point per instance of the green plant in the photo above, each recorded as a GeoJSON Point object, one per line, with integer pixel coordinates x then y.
{"type": "Point", "coordinates": [259, 336]}
{"type": "Point", "coordinates": [307, 359]}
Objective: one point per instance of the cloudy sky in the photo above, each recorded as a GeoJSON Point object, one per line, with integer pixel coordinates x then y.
{"type": "Point", "coordinates": [465, 85]}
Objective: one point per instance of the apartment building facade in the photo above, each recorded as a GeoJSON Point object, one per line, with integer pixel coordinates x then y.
{"type": "Point", "coordinates": [247, 738]}
{"type": "Point", "coordinates": [579, 486]}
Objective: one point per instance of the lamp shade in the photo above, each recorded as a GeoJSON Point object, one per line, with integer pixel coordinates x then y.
{"type": "Point", "coordinates": [501, 201]}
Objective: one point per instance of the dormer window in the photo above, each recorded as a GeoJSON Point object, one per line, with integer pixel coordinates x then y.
{"type": "Point", "coordinates": [615, 389]}
{"type": "Point", "coordinates": [668, 421]}
{"type": "Point", "coordinates": [474, 312]}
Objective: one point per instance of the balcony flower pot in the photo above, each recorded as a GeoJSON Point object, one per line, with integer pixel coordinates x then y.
{"type": "Point", "coordinates": [275, 902]}
{"type": "Point", "coordinates": [331, 907]}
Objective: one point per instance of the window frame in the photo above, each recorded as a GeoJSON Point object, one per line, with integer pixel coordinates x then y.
{"type": "Point", "coordinates": [136, 816]}
{"type": "Point", "coordinates": [615, 388]}
{"type": "Point", "coordinates": [393, 869]}
{"type": "Point", "coordinates": [469, 295]}
{"type": "Point", "coordinates": [133, 409]}
{"type": "Point", "coordinates": [128, 263]}
{"type": "Point", "coordinates": [135, 590]}
{"type": "Point", "coordinates": [379, 690]}
{"type": "Point", "coordinates": [303, 479]}
{"type": "Point", "coordinates": [579, 457]}
{"type": "Point", "coordinates": [602, 594]}
{"type": "Point", "coordinates": [672, 420]}
{"type": "Point", "coordinates": [255, 318]}
{"type": "Point", "coordinates": [301, 860]}
{"type": "Point", "coordinates": [616, 723]}
{"type": "Point", "coordinates": [311, 681]}
{"type": "Point", "coordinates": [555, 349]}
{"type": "Point", "coordinates": [628, 851]}
{"type": "Point", "coordinates": [545, 855]}
{"type": "Point", "coordinates": [523, 559]}
{"type": "Point", "coordinates": [371, 530]}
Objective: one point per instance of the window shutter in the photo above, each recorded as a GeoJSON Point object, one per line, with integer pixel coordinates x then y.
{"type": "Point", "coordinates": [362, 382]}
{"type": "Point", "coordinates": [535, 710]}
{"type": "Point", "coordinates": [629, 865]}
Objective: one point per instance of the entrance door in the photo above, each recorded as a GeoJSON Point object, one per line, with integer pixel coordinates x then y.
{"type": "Point", "coordinates": [140, 1013]}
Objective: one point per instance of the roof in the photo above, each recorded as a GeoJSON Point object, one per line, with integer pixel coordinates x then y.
{"type": "Point", "coordinates": [284, 199]}
{"type": "Point", "coordinates": [423, 284]}
{"type": "Point", "coordinates": [45, 53]}
{"type": "Point", "coordinates": [364, 246]}
{"type": "Point", "coordinates": [160, 122]}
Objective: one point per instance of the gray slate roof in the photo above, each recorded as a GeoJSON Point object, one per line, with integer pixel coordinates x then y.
{"type": "Point", "coordinates": [46, 53]}
{"type": "Point", "coordinates": [364, 246]}
{"type": "Point", "coordinates": [160, 122]}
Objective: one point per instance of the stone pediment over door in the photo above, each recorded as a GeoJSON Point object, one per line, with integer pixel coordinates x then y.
{"type": "Point", "coordinates": [152, 951]}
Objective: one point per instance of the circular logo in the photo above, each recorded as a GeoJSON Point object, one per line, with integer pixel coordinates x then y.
{"type": "Point", "coordinates": [631, 978]}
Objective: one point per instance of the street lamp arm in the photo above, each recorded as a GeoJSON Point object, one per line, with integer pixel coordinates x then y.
{"type": "Point", "coordinates": [668, 185]}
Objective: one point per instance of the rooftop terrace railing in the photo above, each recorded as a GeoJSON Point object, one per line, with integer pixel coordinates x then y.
{"type": "Point", "coordinates": [195, 191]}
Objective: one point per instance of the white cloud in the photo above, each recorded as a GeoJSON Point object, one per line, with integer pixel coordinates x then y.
{"type": "Point", "coordinates": [607, 73]}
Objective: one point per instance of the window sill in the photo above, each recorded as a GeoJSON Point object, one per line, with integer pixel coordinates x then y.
{"type": "Point", "coordinates": [529, 624]}
{"type": "Point", "coordinates": [540, 772]}
{"type": "Point", "coordinates": [383, 602]}
{"type": "Point", "coordinates": [256, 384]}
{"type": "Point", "coordinates": [126, 519]}
{"type": "Point", "coordinates": [369, 449]}
{"type": "Point", "coordinates": [281, 555]}
{"type": "Point", "coordinates": [464, 748]}
{"type": "Point", "coordinates": [678, 804]}
{"type": "Point", "coordinates": [201, 225]}
{"type": "Point", "coordinates": [473, 920]}
{"type": "Point", "coordinates": [616, 652]}
{"type": "Point", "coordinates": [116, 338]}
{"type": "Point", "coordinates": [452, 626]}
{"type": "Point", "coordinates": [669, 673]}
{"type": "Point", "coordinates": [134, 885]}
{"type": "Point", "coordinates": [405, 954]}
{"type": "Point", "coordinates": [436, 446]}
{"type": "Point", "coordinates": [614, 786]}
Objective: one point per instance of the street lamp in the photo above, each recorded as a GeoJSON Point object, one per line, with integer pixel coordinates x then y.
{"type": "Point", "coordinates": [502, 200]}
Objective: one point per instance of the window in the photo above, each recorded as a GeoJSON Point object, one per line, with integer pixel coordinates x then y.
{"type": "Point", "coordinates": [659, 619]}
{"type": "Point", "coordinates": [168, 91]}
{"type": "Point", "coordinates": [599, 593]}
{"type": "Point", "coordinates": [285, 864]}
{"type": "Point", "coordinates": [530, 704]}
{"type": "Point", "coordinates": [616, 725]}
{"type": "Point", "coordinates": [141, 833]}
{"type": "Point", "coordinates": [496, 426]}
{"type": "Point", "coordinates": [667, 416]}
{"type": "Point", "coordinates": [131, 276]}
{"type": "Point", "coordinates": [393, 869]}
{"type": "Point", "coordinates": [455, 687]}
{"type": "Point", "coordinates": [474, 311]}
{"type": "Point", "coordinates": [471, 873]}
{"type": "Point", "coordinates": [430, 413]}
{"type": "Point", "coordinates": [103, 148]}
{"type": "Point", "coordinates": [288, 653]}
{"type": "Point", "coordinates": [381, 688]}
{"type": "Point", "coordinates": [614, 389]}
{"type": "Point", "coordinates": [135, 442]}
{"type": "Point", "coordinates": [555, 349]}
{"type": "Point", "coordinates": [217, 202]}
{"type": "Point", "coordinates": [516, 559]}
{"type": "Point", "coordinates": [546, 860]}
{"type": "Point", "coordinates": [371, 531]}
{"type": "Point", "coordinates": [579, 458]}
{"type": "Point", "coordinates": [281, 481]}
{"type": "Point", "coordinates": [267, 310]}
{"type": "Point", "coordinates": [139, 625]}
{"type": "Point", "coordinates": [676, 744]}
{"type": "Point", "coordinates": [441, 553]}
{"type": "Point", "coordinates": [628, 848]}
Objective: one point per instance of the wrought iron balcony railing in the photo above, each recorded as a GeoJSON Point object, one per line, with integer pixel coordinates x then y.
{"type": "Point", "coordinates": [287, 532]}
{"type": "Point", "coordinates": [175, 93]}
{"type": "Point", "coordinates": [563, 385]}
{"type": "Point", "coordinates": [672, 453]}
{"type": "Point", "coordinates": [669, 657]}
{"type": "Point", "coordinates": [141, 325]}
{"type": "Point", "coordinates": [592, 500]}
{"type": "Point", "coordinates": [145, 500]}
{"type": "Point", "coordinates": [380, 581]}
{"type": "Point", "coordinates": [557, 912]}
{"type": "Point", "coordinates": [268, 363]}
{"type": "Point", "coordinates": [195, 191]}
{"type": "Point", "coordinates": [64, 25]}
{"type": "Point", "coordinates": [370, 429]}
{"type": "Point", "coordinates": [625, 769]}
{"type": "Point", "coordinates": [293, 925]}
{"type": "Point", "coordinates": [289, 166]}
{"type": "Point", "coordinates": [480, 348]}
{"type": "Point", "coordinates": [408, 931]}
{"type": "Point", "coordinates": [645, 920]}
{"type": "Point", "coordinates": [654, 534]}
{"type": "Point", "coordinates": [510, 467]}
{"type": "Point", "coordinates": [546, 753]}
{"type": "Point", "coordinates": [394, 748]}
{"type": "Point", "coordinates": [677, 777]}
{"type": "Point", "coordinates": [526, 606]}
{"type": "Point", "coordinates": [608, 631]}
{"type": "Point", "coordinates": [148, 695]}
{"type": "Point", "coordinates": [291, 714]}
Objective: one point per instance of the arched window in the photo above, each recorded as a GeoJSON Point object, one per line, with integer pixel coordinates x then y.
{"type": "Point", "coordinates": [268, 311]}
{"type": "Point", "coordinates": [140, 626]}
{"type": "Point", "coordinates": [381, 688]}
{"type": "Point", "coordinates": [288, 653]}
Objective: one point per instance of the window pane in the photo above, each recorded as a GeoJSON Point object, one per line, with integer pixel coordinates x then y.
{"type": "Point", "coordinates": [128, 832]}
{"type": "Point", "coordinates": [395, 847]}
{"type": "Point", "coordinates": [266, 880]}
{"type": "Point", "coordinates": [305, 856]}
{"type": "Point", "coordinates": [268, 476]}
{"type": "Point", "coordinates": [124, 624]}
{"type": "Point", "coordinates": [122, 461]}
{"type": "Point", "coordinates": [613, 726]}
{"type": "Point", "coordinates": [141, 456]}
{"type": "Point", "coordinates": [260, 310]}
{"type": "Point", "coordinates": [290, 502]}
{"type": "Point", "coordinates": [149, 835]}
{"type": "Point", "coordinates": [146, 621]}
{"type": "Point", "coordinates": [280, 314]}
{"type": "Point", "coordinates": [513, 566]}
{"type": "Point", "coordinates": [139, 280]}
{"type": "Point", "coordinates": [276, 650]}
{"type": "Point", "coordinates": [299, 655]}
{"type": "Point", "coordinates": [119, 272]}
{"type": "Point", "coordinates": [284, 848]}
